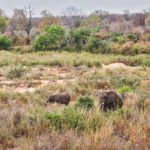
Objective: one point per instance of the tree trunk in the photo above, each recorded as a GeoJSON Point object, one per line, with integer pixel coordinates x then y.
{"type": "Point", "coordinates": [27, 41]}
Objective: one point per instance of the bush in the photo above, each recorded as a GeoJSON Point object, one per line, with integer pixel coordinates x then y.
{"type": "Point", "coordinates": [131, 81]}
{"type": "Point", "coordinates": [15, 73]}
{"type": "Point", "coordinates": [133, 37]}
{"type": "Point", "coordinates": [69, 118]}
{"type": "Point", "coordinates": [98, 46]}
{"type": "Point", "coordinates": [79, 38]}
{"type": "Point", "coordinates": [125, 49]}
{"type": "Point", "coordinates": [114, 48]}
{"type": "Point", "coordinates": [74, 119]}
{"type": "Point", "coordinates": [85, 103]}
{"type": "Point", "coordinates": [55, 119]}
{"type": "Point", "coordinates": [126, 89]}
{"type": "Point", "coordinates": [118, 37]}
{"type": "Point", "coordinates": [5, 42]}
{"type": "Point", "coordinates": [51, 39]}
{"type": "Point", "coordinates": [94, 45]}
{"type": "Point", "coordinates": [141, 48]}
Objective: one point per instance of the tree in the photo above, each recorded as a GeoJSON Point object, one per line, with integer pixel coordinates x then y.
{"type": "Point", "coordinates": [139, 19]}
{"type": "Point", "coordinates": [147, 21]}
{"type": "Point", "coordinates": [12, 26]}
{"type": "Point", "coordinates": [24, 21]}
{"type": "Point", "coordinates": [79, 38]}
{"type": "Point", "coordinates": [126, 15]}
{"type": "Point", "coordinates": [48, 19]}
{"type": "Point", "coordinates": [72, 17]}
{"type": "Point", "coordinates": [102, 14]}
{"type": "Point", "coordinates": [1, 12]}
{"type": "Point", "coordinates": [3, 24]}
{"type": "Point", "coordinates": [92, 21]}
{"type": "Point", "coordinates": [51, 39]}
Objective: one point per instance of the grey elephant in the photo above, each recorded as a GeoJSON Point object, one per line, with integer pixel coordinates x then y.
{"type": "Point", "coordinates": [110, 100]}
{"type": "Point", "coordinates": [61, 98]}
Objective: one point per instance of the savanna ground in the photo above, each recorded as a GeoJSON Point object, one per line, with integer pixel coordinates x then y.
{"type": "Point", "coordinates": [26, 81]}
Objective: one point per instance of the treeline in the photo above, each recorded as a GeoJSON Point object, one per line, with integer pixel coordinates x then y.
{"type": "Point", "coordinates": [99, 32]}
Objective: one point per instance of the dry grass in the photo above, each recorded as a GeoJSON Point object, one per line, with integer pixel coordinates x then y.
{"type": "Point", "coordinates": [66, 58]}
{"type": "Point", "coordinates": [25, 122]}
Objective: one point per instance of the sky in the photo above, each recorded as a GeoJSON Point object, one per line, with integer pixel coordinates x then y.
{"type": "Point", "coordinates": [87, 6]}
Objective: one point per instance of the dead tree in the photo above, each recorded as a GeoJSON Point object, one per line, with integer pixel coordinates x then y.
{"type": "Point", "coordinates": [23, 18]}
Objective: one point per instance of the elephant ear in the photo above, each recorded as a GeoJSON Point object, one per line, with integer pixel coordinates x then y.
{"type": "Point", "coordinates": [124, 95]}
{"type": "Point", "coordinates": [106, 95]}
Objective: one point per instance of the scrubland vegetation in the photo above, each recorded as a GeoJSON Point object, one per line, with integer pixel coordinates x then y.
{"type": "Point", "coordinates": [80, 55]}
{"type": "Point", "coordinates": [28, 79]}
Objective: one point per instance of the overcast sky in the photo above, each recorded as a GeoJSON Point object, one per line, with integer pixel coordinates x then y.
{"type": "Point", "coordinates": [87, 6]}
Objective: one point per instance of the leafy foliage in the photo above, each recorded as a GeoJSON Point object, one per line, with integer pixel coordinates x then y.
{"type": "Point", "coordinates": [3, 24]}
{"type": "Point", "coordinates": [126, 89]}
{"type": "Point", "coordinates": [51, 39]}
{"type": "Point", "coordinates": [5, 42]}
{"type": "Point", "coordinates": [133, 37]}
{"type": "Point", "coordinates": [98, 46]}
{"type": "Point", "coordinates": [130, 81]}
{"type": "Point", "coordinates": [79, 38]}
{"type": "Point", "coordinates": [85, 103]}
{"type": "Point", "coordinates": [118, 37]}
{"type": "Point", "coordinates": [69, 118]}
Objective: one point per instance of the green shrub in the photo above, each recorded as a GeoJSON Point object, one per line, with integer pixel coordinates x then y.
{"type": "Point", "coordinates": [15, 73]}
{"type": "Point", "coordinates": [5, 42]}
{"type": "Point", "coordinates": [55, 120]}
{"type": "Point", "coordinates": [85, 103]}
{"type": "Point", "coordinates": [133, 37]}
{"type": "Point", "coordinates": [131, 81]}
{"type": "Point", "coordinates": [126, 89]}
{"type": "Point", "coordinates": [94, 45]}
{"type": "Point", "coordinates": [118, 37]}
{"type": "Point", "coordinates": [74, 119]}
{"type": "Point", "coordinates": [79, 38]}
{"type": "Point", "coordinates": [98, 46]}
{"type": "Point", "coordinates": [51, 39]}
{"type": "Point", "coordinates": [69, 118]}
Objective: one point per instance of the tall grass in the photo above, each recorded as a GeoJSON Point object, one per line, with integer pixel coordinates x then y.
{"type": "Point", "coordinates": [26, 123]}
{"type": "Point", "coordinates": [69, 58]}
